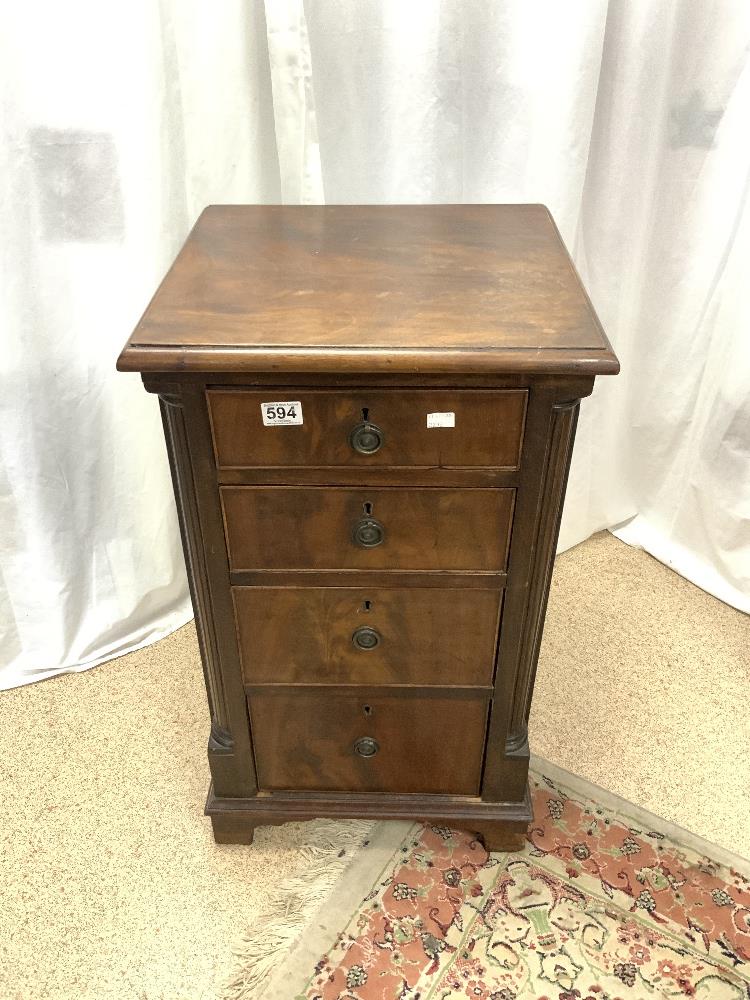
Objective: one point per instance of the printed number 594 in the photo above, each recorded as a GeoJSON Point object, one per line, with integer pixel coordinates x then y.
{"type": "Point", "coordinates": [281, 412]}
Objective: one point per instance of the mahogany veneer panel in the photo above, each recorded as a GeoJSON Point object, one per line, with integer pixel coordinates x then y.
{"type": "Point", "coordinates": [297, 635]}
{"type": "Point", "coordinates": [284, 527]}
{"type": "Point", "coordinates": [487, 433]}
{"type": "Point", "coordinates": [430, 744]}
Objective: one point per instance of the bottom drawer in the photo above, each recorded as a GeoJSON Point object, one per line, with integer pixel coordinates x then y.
{"type": "Point", "coordinates": [381, 742]}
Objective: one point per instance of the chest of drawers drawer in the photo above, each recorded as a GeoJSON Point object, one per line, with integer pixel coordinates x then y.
{"type": "Point", "coordinates": [369, 413]}
{"type": "Point", "coordinates": [321, 528]}
{"type": "Point", "coordinates": [367, 635]}
{"type": "Point", "coordinates": [369, 429]}
{"type": "Point", "coordinates": [376, 741]}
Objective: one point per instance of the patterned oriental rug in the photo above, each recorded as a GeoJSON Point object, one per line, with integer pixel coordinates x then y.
{"type": "Point", "coordinates": [605, 902]}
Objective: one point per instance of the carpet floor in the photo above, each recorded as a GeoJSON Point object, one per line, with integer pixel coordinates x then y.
{"type": "Point", "coordinates": [604, 902]}
{"type": "Point", "coordinates": [113, 887]}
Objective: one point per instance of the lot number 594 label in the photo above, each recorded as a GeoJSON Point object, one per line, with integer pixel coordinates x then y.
{"type": "Point", "coordinates": [281, 414]}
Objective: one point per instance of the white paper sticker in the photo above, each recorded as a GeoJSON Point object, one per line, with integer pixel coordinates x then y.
{"type": "Point", "coordinates": [281, 414]}
{"type": "Point", "coordinates": [441, 419]}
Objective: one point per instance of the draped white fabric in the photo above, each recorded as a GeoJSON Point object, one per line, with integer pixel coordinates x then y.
{"type": "Point", "coordinates": [122, 121]}
{"type": "Point", "coordinates": [628, 120]}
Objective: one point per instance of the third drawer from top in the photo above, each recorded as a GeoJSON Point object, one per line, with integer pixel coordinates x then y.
{"type": "Point", "coordinates": [367, 635]}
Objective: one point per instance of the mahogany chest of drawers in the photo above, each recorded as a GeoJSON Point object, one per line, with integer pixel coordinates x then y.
{"type": "Point", "coordinates": [369, 414]}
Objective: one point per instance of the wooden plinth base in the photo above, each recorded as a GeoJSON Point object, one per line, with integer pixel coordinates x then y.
{"type": "Point", "coordinates": [500, 825]}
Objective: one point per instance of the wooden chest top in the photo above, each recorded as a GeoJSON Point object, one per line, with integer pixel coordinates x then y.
{"type": "Point", "coordinates": [387, 288]}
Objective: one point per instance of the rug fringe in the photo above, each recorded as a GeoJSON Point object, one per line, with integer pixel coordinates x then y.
{"type": "Point", "coordinates": [328, 851]}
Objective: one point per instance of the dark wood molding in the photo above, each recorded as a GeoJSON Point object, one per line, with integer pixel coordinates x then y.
{"type": "Point", "coordinates": [220, 741]}
{"type": "Point", "coordinates": [549, 436]}
{"type": "Point", "coordinates": [229, 747]}
{"type": "Point", "coordinates": [373, 690]}
{"type": "Point", "coordinates": [515, 747]}
{"type": "Point", "coordinates": [345, 476]}
{"type": "Point", "coordinates": [377, 805]}
{"type": "Point", "coordinates": [498, 823]}
{"type": "Point", "coordinates": [173, 419]}
{"type": "Point", "coordinates": [563, 425]}
{"type": "Point", "coordinates": [468, 579]}
{"type": "Point", "coordinates": [363, 360]}
{"type": "Point", "coordinates": [233, 773]}
{"type": "Point", "coordinates": [168, 387]}
{"type": "Point", "coordinates": [394, 381]}
{"type": "Point", "coordinates": [171, 396]}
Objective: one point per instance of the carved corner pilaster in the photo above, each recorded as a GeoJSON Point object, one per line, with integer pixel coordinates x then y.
{"type": "Point", "coordinates": [517, 745]}
{"type": "Point", "coordinates": [189, 447]}
{"type": "Point", "coordinates": [562, 432]}
{"type": "Point", "coordinates": [220, 740]}
{"type": "Point", "coordinates": [171, 398]}
{"type": "Point", "coordinates": [163, 386]}
{"type": "Point", "coordinates": [173, 418]}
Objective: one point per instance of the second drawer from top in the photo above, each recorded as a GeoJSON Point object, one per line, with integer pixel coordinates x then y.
{"type": "Point", "coordinates": [397, 528]}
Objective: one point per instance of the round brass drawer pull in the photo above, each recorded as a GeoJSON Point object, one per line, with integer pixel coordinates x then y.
{"type": "Point", "coordinates": [368, 533]}
{"type": "Point", "coordinates": [366, 438]}
{"type": "Point", "coordinates": [366, 746]}
{"type": "Point", "coordinates": [365, 637]}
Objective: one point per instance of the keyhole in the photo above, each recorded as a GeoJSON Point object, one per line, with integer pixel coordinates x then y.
{"type": "Point", "coordinates": [365, 413]}
{"type": "Point", "coordinates": [367, 605]}
{"type": "Point", "coordinates": [367, 709]}
{"type": "Point", "coordinates": [367, 507]}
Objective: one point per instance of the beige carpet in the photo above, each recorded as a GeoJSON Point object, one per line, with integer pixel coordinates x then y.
{"type": "Point", "coordinates": [643, 688]}
{"type": "Point", "coordinates": [111, 885]}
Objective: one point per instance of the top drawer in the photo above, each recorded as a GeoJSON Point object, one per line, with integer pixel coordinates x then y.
{"type": "Point", "coordinates": [370, 428]}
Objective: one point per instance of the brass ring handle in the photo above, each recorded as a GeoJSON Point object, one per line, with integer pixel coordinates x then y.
{"type": "Point", "coordinates": [366, 746]}
{"type": "Point", "coordinates": [368, 533]}
{"type": "Point", "coordinates": [366, 638]}
{"type": "Point", "coordinates": [366, 438]}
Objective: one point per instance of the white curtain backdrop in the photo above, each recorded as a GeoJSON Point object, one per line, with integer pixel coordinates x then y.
{"type": "Point", "coordinates": [121, 122]}
{"type": "Point", "coordinates": [629, 120]}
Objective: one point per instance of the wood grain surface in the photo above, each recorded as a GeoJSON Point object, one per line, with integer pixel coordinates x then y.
{"type": "Point", "coordinates": [311, 528]}
{"type": "Point", "coordinates": [487, 431]}
{"type": "Point", "coordinates": [429, 743]}
{"type": "Point", "coordinates": [299, 635]}
{"type": "Point", "coordinates": [394, 288]}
